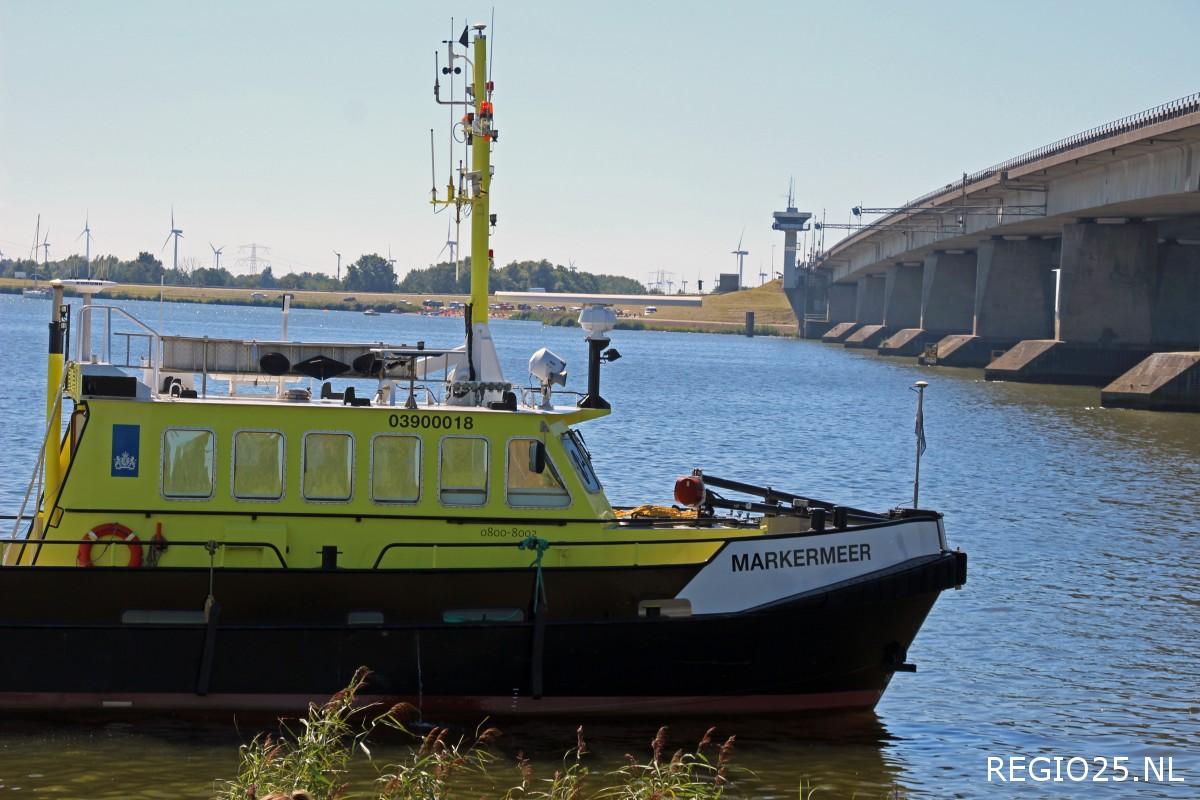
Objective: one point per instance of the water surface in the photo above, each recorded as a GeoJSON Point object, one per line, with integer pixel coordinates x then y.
{"type": "Point", "coordinates": [1077, 633]}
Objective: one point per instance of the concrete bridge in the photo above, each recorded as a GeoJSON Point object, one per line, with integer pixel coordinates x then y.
{"type": "Point", "coordinates": [1078, 262]}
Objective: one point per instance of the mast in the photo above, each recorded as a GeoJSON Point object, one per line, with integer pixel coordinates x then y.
{"type": "Point", "coordinates": [481, 161]}
{"type": "Point", "coordinates": [474, 192]}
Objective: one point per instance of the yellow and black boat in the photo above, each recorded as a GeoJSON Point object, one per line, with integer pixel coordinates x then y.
{"type": "Point", "coordinates": [211, 533]}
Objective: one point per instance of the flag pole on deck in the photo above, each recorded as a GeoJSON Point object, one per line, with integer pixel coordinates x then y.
{"type": "Point", "coordinates": [919, 388]}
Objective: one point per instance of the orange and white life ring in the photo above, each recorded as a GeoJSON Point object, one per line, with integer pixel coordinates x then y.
{"type": "Point", "coordinates": [83, 556]}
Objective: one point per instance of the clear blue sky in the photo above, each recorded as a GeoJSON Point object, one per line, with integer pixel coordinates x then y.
{"type": "Point", "coordinates": [635, 135]}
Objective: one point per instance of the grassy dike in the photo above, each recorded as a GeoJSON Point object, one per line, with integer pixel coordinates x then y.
{"type": "Point", "coordinates": [719, 313]}
{"type": "Point", "coordinates": [243, 297]}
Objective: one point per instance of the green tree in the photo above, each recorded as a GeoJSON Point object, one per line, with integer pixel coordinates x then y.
{"type": "Point", "coordinates": [518, 276]}
{"type": "Point", "coordinates": [371, 273]}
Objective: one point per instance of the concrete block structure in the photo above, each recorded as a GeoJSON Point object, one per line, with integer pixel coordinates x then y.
{"type": "Point", "coordinates": [1162, 382]}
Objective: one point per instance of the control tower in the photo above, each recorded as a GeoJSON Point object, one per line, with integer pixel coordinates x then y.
{"type": "Point", "coordinates": [795, 279]}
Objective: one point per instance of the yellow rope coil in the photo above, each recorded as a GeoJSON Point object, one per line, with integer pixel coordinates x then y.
{"type": "Point", "coordinates": [651, 511]}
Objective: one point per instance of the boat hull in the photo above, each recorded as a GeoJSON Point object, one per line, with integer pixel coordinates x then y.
{"type": "Point", "coordinates": [835, 648]}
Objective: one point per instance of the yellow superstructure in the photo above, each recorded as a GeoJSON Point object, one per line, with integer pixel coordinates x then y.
{"type": "Point", "coordinates": [388, 487]}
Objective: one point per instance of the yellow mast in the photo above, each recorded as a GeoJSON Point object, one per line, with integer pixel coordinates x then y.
{"type": "Point", "coordinates": [481, 160]}
{"type": "Point", "coordinates": [477, 124]}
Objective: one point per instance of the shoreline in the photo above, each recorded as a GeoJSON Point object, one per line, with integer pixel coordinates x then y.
{"type": "Point", "coordinates": [724, 314]}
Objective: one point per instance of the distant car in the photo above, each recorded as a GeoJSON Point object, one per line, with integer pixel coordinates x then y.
{"type": "Point", "coordinates": [522, 306]}
{"type": "Point", "coordinates": [651, 310]}
{"type": "Point", "coordinates": [432, 303]}
{"type": "Point", "coordinates": [350, 299]}
{"type": "Point", "coordinates": [258, 295]}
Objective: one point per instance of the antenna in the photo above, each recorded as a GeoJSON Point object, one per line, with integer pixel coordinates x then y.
{"type": "Point", "coordinates": [216, 255]}
{"type": "Point", "coordinates": [492, 46]}
{"type": "Point", "coordinates": [37, 235]}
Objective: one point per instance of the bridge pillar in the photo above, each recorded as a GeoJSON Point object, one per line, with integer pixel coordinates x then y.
{"type": "Point", "coordinates": [902, 311]}
{"type": "Point", "coordinates": [869, 313]}
{"type": "Point", "coordinates": [902, 296]}
{"type": "Point", "coordinates": [1168, 380]}
{"type": "Point", "coordinates": [1176, 321]}
{"type": "Point", "coordinates": [1106, 292]}
{"type": "Point", "coordinates": [869, 307]}
{"type": "Point", "coordinates": [948, 293]}
{"type": "Point", "coordinates": [843, 302]}
{"type": "Point", "coordinates": [1107, 289]}
{"type": "Point", "coordinates": [1014, 289]}
{"type": "Point", "coordinates": [1014, 300]}
{"type": "Point", "coordinates": [843, 311]}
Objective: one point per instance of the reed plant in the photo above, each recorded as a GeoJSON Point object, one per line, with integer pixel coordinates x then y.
{"type": "Point", "coordinates": [312, 760]}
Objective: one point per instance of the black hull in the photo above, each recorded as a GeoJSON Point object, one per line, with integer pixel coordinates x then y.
{"type": "Point", "coordinates": [831, 649]}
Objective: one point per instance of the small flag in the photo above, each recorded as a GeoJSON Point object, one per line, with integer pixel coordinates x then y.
{"type": "Point", "coordinates": [920, 428]}
{"type": "Point", "coordinates": [463, 39]}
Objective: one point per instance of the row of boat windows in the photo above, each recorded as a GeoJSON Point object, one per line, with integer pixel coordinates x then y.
{"type": "Point", "coordinates": [328, 474]}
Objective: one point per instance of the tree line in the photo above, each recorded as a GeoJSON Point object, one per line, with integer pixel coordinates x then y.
{"type": "Point", "coordinates": [370, 273]}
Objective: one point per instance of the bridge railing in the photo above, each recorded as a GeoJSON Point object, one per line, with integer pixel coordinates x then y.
{"type": "Point", "coordinates": [1151, 116]}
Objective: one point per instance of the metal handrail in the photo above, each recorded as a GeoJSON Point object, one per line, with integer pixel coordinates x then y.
{"type": "Point", "coordinates": [53, 425]}
{"type": "Point", "coordinates": [1152, 116]}
{"type": "Point", "coordinates": [155, 337]}
{"type": "Point", "coordinates": [151, 543]}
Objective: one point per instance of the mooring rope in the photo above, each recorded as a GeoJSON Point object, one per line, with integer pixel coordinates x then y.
{"type": "Point", "coordinates": [539, 547]}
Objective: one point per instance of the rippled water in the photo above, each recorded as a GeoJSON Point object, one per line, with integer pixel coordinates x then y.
{"type": "Point", "coordinates": [1078, 632]}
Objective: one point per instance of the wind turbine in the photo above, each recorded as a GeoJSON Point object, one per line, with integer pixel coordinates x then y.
{"type": "Point", "coordinates": [177, 233]}
{"type": "Point", "coordinates": [45, 245]}
{"type": "Point", "coordinates": [451, 245]}
{"type": "Point", "coordinates": [216, 255]}
{"type": "Point", "coordinates": [741, 255]}
{"type": "Point", "coordinates": [87, 246]}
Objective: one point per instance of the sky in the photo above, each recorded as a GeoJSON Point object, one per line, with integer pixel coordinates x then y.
{"type": "Point", "coordinates": [635, 136]}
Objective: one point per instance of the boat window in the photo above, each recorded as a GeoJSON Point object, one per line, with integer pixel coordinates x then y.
{"type": "Point", "coordinates": [258, 465]}
{"type": "Point", "coordinates": [582, 459]}
{"type": "Point", "coordinates": [187, 463]}
{"type": "Point", "coordinates": [396, 469]}
{"type": "Point", "coordinates": [532, 480]}
{"type": "Point", "coordinates": [464, 470]}
{"type": "Point", "coordinates": [328, 464]}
